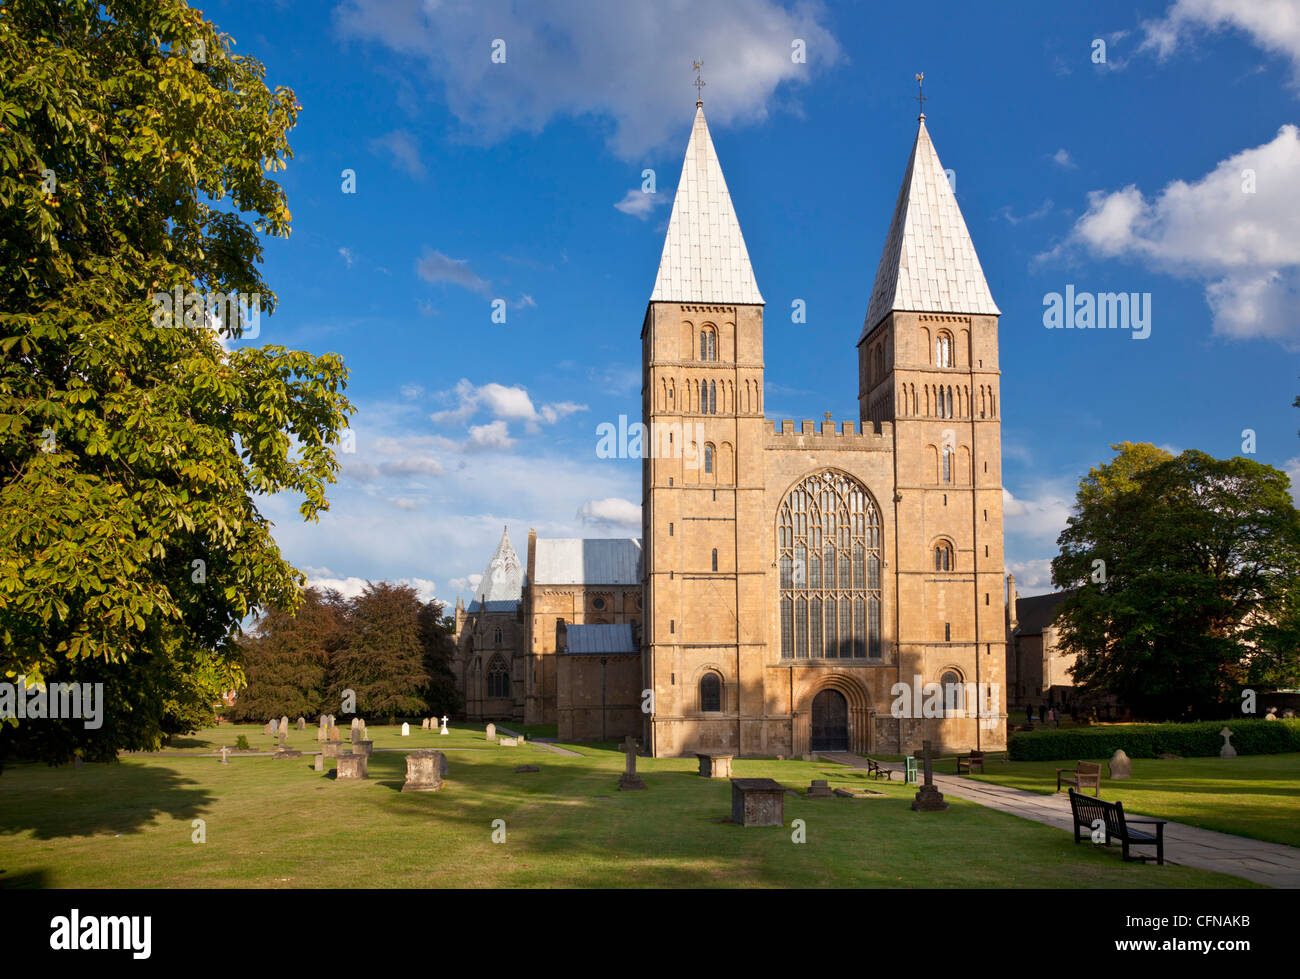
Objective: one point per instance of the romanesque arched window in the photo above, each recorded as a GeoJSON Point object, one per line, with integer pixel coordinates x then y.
{"type": "Point", "coordinates": [943, 350]}
{"type": "Point", "coordinates": [498, 678]}
{"type": "Point", "coordinates": [829, 547]}
{"type": "Point", "coordinates": [708, 344]}
{"type": "Point", "coordinates": [710, 692]}
{"type": "Point", "coordinates": [947, 464]}
{"type": "Point", "coordinates": [943, 557]}
{"type": "Point", "coordinates": [954, 691]}
{"type": "Point", "coordinates": [708, 458]}
{"type": "Point", "coordinates": [713, 398]}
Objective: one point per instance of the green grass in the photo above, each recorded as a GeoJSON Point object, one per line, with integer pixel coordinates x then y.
{"type": "Point", "coordinates": [1251, 795]}
{"type": "Point", "coordinates": [281, 824]}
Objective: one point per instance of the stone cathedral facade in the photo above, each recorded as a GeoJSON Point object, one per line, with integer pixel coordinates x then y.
{"type": "Point", "coordinates": [817, 587]}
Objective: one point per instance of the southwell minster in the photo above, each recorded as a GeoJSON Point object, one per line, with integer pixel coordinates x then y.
{"type": "Point", "coordinates": [795, 588]}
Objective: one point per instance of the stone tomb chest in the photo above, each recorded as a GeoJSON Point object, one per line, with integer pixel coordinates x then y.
{"type": "Point", "coordinates": [757, 802]}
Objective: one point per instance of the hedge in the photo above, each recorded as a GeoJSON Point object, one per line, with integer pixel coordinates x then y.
{"type": "Point", "coordinates": [1197, 740]}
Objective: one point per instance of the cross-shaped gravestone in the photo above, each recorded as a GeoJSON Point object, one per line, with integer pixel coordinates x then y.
{"type": "Point", "coordinates": [225, 756]}
{"type": "Point", "coordinates": [1227, 751]}
{"type": "Point", "coordinates": [630, 779]}
{"type": "Point", "coordinates": [928, 798]}
{"type": "Point", "coordinates": [444, 725]}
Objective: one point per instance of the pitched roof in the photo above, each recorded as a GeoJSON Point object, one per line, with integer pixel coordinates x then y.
{"type": "Point", "coordinates": [588, 639]}
{"type": "Point", "coordinates": [704, 258]}
{"type": "Point", "coordinates": [503, 581]}
{"type": "Point", "coordinates": [1036, 613]}
{"type": "Point", "coordinates": [598, 561]}
{"type": "Point", "coordinates": [929, 264]}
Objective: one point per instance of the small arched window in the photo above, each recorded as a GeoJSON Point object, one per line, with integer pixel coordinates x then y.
{"type": "Point", "coordinates": [498, 678]}
{"type": "Point", "coordinates": [713, 398]}
{"type": "Point", "coordinates": [947, 464]}
{"type": "Point", "coordinates": [943, 560]}
{"type": "Point", "coordinates": [954, 691]}
{"type": "Point", "coordinates": [943, 350]}
{"type": "Point", "coordinates": [708, 345]}
{"type": "Point", "coordinates": [708, 458]}
{"type": "Point", "coordinates": [711, 692]}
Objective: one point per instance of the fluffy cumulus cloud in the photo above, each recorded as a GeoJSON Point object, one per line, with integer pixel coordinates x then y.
{"type": "Point", "coordinates": [627, 62]}
{"type": "Point", "coordinates": [1272, 25]}
{"type": "Point", "coordinates": [1033, 577]}
{"type": "Point", "coordinates": [505, 404]}
{"type": "Point", "coordinates": [1040, 518]}
{"type": "Point", "coordinates": [405, 153]}
{"type": "Point", "coordinates": [639, 204]}
{"type": "Point", "coordinates": [1235, 228]}
{"type": "Point", "coordinates": [352, 586]}
{"type": "Point", "coordinates": [613, 512]}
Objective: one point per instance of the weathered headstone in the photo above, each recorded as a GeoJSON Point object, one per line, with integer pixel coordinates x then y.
{"type": "Point", "coordinates": [819, 789]}
{"type": "Point", "coordinates": [356, 731]}
{"type": "Point", "coordinates": [630, 779]}
{"type": "Point", "coordinates": [423, 771]}
{"type": "Point", "coordinates": [302, 723]}
{"type": "Point", "coordinates": [270, 728]}
{"type": "Point", "coordinates": [284, 722]}
{"type": "Point", "coordinates": [320, 763]}
{"type": "Point", "coordinates": [225, 756]}
{"type": "Point", "coordinates": [714, 765]}
{"type": "Point", "coordinates": [1227, 751]}
{"type": "Point", "coordinates": [321, 734]}
{"type": "Point", "coordinates": [332, 749]}
{"type": "Point", "coordinates": [1121, 765]}
{"type": "Point", "coordinates": [444, 725]}
{"type": "Point", "coordinates": [424, 724]}
{"type": "Point", "coordinates": [491, 732]}
{"type": "Point", "coordinates": [333, 734]}
{"type": "Point", "coordinates": [757, 802]}
{"type": "Point", "coordinates": [406, 729]}
{"type": "Point", "coordinates": [351, 765]}
{"type": "Point", "coordinates": [928, 798]}
{"type": "Point", "coordinates": [366, 748]}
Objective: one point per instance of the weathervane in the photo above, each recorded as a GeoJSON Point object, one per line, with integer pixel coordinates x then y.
{"type": "Point", "coordinates": [699, 83]}
{"type": "Point", "coordinates": [920, 95]}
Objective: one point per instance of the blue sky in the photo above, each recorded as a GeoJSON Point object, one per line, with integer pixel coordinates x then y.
{"type": "Point", "coordinates": [479, 180]}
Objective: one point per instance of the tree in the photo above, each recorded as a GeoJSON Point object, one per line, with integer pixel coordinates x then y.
{"type": "Point", "coordinates": [135, 143]}
{"type": "Point", "coordinates": [437, 639]}
{"type": "Point", "coordinates": [1184, 577]}
{"type": "Point", "coordinates": [382, 659]}
{"type": "Point", "coordinates": [287, 659]}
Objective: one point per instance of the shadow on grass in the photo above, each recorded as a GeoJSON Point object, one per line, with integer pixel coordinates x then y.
{"type": "Point", "coordinates": [36, 880]}
{"type": "Point", "coordinates": [98, 799]}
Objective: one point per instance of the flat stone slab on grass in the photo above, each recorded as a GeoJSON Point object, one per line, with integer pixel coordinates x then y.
{"type": "Point", "coordinates": [520, 769]}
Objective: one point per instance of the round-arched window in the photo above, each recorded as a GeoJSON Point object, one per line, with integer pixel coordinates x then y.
{"type": "Point", "coordinates": [710, 692]}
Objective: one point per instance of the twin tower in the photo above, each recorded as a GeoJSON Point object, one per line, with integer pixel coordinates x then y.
{"type": "Point", "coordinates": [822, 587]}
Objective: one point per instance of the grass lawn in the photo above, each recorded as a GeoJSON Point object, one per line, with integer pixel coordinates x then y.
{"type": "Point", "coordinates": [1251, 795]}
{"type": "Point", "coordinates": [281, 824]}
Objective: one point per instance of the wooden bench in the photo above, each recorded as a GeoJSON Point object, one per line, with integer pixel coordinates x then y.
{"type": "Point", "coordinates": [1087, 812]}
{"type": "Point", "coordinates": [875, 771]}
{"type": "Point", "coordinates": [970, 762]}
{"type": "Point", "coordinates": [1084, 773]}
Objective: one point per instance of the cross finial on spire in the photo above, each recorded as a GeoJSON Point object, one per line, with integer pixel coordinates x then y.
{"type": "Point", "coordinates": [699, 84]}
{"type": "Point", "coordinates": [920, 93]}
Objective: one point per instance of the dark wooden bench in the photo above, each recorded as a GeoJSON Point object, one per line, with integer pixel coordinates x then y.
{"type": "Point", "coordinates": [1087, 812]}
{"type": "Point", "coordinates": [1084, 774]}
{"type": "Point", "coordinates": [970, 762]}
{"type": "Point", "coordinates": [875, 771]}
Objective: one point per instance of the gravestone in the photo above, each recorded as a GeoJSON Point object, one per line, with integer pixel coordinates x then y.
{"type": "Point", "coordinates": [366, 748]}
{"type": "Point", "coordinates": [284, 723]}
{"type": "Point", "coordinates": [507, 742]}
{"type": "Point", "coordinates": [284, 751]}
{"type": "Point", "coordinates": [819, 789]}
{"type": "Point", "coordinates": [302, 723]}
{"type": "Point", "coordinates": [444, 725]}
{"type": "Point", "coordinates": [333, 734]}
{"type": "Point", "coordinates": [1227, 751]}
{"type": "Point", "coordinates": [332, 749]}
{"type": "Point", "coordinates": [270, 728]}
{"type": "Point", "coordinates": [424, 724]}
{"type": "Point", "coordinates": [1121, 766]}
{"type": "Point", "coordinates": [351, 766]}
{"type": "Point", "coordinates": [757, 802]}
{"type": "Point", "coordinates": [423, 771]}
{"type": "Point", "coordinates": [320, 763]}
{"type": "Point", "coordinates": [629, 779]}
{"type": "Point", "coordinates": [321, 734]}
{"type": "Point", "coordinates": [365, 735]}
{"type": "Point", "coordinates": [406, 729]}
{"type": "Point", "coordinates": [356, 731]}
{"type": "Point", "coordinates": [225, 756]}
{"type": "Point", "coordinates": [928, 798]}
{"type": "Point", "coordinates": [1271, 715]}
{"type": "Point", "coordinates": [714, 764]}
{"type": "Point", "coordinates": [491, 732]}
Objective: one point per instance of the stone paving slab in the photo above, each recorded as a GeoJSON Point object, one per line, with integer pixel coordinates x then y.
{"type": "Point", "coordinates": [1271, 864]}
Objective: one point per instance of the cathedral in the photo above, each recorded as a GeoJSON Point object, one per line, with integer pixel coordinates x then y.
{"type": "Point", "coordinates": [825, 587]}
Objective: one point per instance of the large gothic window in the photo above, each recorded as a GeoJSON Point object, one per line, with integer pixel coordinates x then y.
{"type": "Point", "coordinates": [498, 678]}
{"type": "Point", "coordinates": [829, 550]}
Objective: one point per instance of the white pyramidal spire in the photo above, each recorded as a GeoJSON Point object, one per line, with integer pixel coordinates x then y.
{"type": "Point", "coordinates": [503, 581]}
{"type": "Point", "coordinates": [704, 258]}
{"type": "Point", "coordinates": [929, 263]}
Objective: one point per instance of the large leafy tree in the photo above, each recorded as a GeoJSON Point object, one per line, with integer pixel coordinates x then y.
{"type": "Point", "coordinates": [287, 659]}
{"type": "Point", "coordinates": [382, 660]}
{"type": "Point", "coordinates": [1196, 592]}
{"type": "Point", "coordinates": [136, 154]}
{"type": "Point", "coordinates": [437, 639]}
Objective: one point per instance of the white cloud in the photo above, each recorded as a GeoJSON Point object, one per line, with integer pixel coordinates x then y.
{"type": "Point", "coordinates": [352, 586]}
{"type": "Point", "coordinates": [1273, 25]}
{"type": "Point", "coordinates": [639, 204]}
{"type": "Point", "coordinates": [629, 63]}
{"type": "Point", "coordinates": [611, 512]}
{"type": "Point", "coordinates": [401, 146]}
{"type": "Point", "coordinates": [468, 583]}
{"type": "Point", "coordinates": [503, 403]}
{"type": "Point", "coordinates": [1292, 469]}
{"type": "Point", "coordinates": [493, 435]}
{"type": "Point", "coordinates": [412, 391]}
{"type": "Point", "coordinates": [347, 256]}
{"type": "Point", "coordinates": [1033, 577]}
{"type": "Point", "coordinates": [434, 266]}
{"type": "Point", "coordinates": [1062, 159]}
{"type": "Point", "coordinates": [1040, 518]}
{"type": "Point", "coordinates": [1235, 227]}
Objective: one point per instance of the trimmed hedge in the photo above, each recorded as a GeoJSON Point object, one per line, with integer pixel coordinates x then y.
{"type": "Point", "coordinates": [1201, 739]}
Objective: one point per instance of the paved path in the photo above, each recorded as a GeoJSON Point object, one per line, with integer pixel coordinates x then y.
{"type": "Point", "coordinates": [543, 743]}
{"type": "Point", "coordinates": [1273, 864]}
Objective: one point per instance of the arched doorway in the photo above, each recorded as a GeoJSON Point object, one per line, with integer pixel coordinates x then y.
{"type": "Point", "coordinates": [830, 722]}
